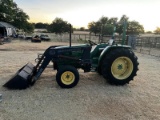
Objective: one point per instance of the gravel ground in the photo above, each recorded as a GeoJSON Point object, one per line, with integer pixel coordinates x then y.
{"type": "Point", "coordinates": [92, 99]}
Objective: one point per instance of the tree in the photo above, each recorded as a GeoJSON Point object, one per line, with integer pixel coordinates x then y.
{"type": "Point", "coordinates": [157, 31]}
{"type": "Point", "coordinates": [106, 26]}
{"type": "Point", "coordinates": [11, 13]}
{"type": "Point", "coordinates": [59, 26]}
{"type": "Point", "coordinates": [94, 27]}
{"type": "Point", "coordinates": [108, 29]}
{"type": "Point", "coordinates": [20, 19]}
{"type": "Point", "coordinates": [134, 27]}
{"type": "Point", "coordinates": [148, 32]}
{"type": "Point", "coordinates": [120, 24]}
{"type": "Point", "coordinates": [41, 25]}
{"type": "Point", "coordinates": [29, 27]}
{"type": "Point", "coordinates": [103, 20]}
{"type": "Point", "coordinates": [112, 20]}
{"type": "Point", "coordinates": [6, 12]}
{"type": "Point", "coordinates": [82, 29]}
{"type": "Point", "coordinates": [103, 26]}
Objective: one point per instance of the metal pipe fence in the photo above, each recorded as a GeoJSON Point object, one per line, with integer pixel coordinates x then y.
{"type": "Point", "coordinates": [148, 45]}
{"type": "Point", "coordinates": [80, 38]}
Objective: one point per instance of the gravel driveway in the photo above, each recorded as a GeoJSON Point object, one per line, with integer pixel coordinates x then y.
{"type": "Point", "coordinates": [92, 99]}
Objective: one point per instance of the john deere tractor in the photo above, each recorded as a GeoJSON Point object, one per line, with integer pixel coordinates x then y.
{"type": "Point", "coordinates": [116, 63]}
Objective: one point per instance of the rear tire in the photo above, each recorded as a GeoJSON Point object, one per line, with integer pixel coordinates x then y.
{"type": "Point", "coordinates": [67, 76]}
{"type": "Point", "coordinates": [119, 66]}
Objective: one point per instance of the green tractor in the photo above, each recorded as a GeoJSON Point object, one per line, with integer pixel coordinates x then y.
{"type": "Point", "coordinates": [116, 63]}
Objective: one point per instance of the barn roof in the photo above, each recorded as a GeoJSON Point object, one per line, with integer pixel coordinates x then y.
{"type": "Point", "coordinates": [7, 25]}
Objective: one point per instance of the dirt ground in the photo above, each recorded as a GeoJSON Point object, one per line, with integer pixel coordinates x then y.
{"type": "Point", "coordinates": [92, 99]}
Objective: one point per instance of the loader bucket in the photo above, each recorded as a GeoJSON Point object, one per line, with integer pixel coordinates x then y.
{"type": "Point", "coordinates": [22, 79]}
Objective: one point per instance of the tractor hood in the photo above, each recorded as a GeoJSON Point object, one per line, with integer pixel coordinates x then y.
{"type": "Point", "coordinates": [73, 46]}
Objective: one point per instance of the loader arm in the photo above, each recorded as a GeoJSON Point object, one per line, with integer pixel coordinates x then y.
{"type": "Point", "coordinates": [43, 62]}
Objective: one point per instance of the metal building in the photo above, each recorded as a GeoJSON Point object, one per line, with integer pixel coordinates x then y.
{"type": "Point", "coordinates": [7, 29]}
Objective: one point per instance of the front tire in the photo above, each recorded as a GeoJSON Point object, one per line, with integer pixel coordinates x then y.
{"type": "Point", "coordinates": [119, 66]}
{"type": "Point", "coordinates": [67, 76]}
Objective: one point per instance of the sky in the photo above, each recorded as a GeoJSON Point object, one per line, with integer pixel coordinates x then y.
{"type": "Point", "coordinates": [80, 12]}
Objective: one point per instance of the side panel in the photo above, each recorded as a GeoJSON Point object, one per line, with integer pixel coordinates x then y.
{"type": "Point", "coordinates": [77, 56]}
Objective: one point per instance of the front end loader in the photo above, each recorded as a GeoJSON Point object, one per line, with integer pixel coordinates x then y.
{"type": "Point", "coordinates": [77, 56]}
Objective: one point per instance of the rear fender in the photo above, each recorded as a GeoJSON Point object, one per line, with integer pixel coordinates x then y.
{"type": "Point", "coordinates": [108, 49]}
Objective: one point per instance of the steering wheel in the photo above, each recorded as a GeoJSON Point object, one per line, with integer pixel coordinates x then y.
{"type": "Point", "coordinates": [91, 43]}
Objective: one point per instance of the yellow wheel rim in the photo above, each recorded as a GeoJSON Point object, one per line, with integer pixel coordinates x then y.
{"type": "Point", "coordinates": [122, 68]}
{"type": "Point", "coordinates": [67, 78]}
